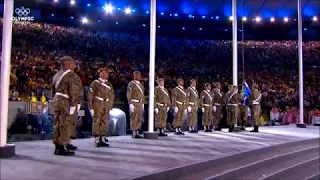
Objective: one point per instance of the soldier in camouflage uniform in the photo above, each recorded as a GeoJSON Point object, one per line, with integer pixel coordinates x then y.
{"type": "Point", "coordinates": [206, 106]}
{"type": "Point", "coordinates": [73, 125]}
{"type": "Point", "coordinates": [193, 105]}
{"type": "Point", "coordinates": [100, 101]}
{"type": "Point", "coordinates": [179, 103]}
{"type": "Point", "coordinates": [233, 99]}
{"type": "Point", "coordinates": [254, 100]}
{"type": "Point", "coordinates": [243, 113]}
{"type": "Point", "coordinates": [162, 104]}
{"type": "Point", "coordinates": [64, 102]}
{"type": "Point", "coordinates": [217, 106]}
{"type": "Point", "coordinates": [135, 96]}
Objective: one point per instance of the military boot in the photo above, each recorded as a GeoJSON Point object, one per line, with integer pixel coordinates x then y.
{"type": "Point", "coordinates": [102, 142]}
{"type": "Point", "coordinates": [63, 151]}
{"type": "Point", "coordinates": [135, 135]}
{"type": "Point", "coordinates": [162, 133]}
{"type": "Point", "coordinates": [255, 129]}
{"type": "Point", "coordinates": [71, 147]}
{"type": "Point", "coordinates": [180, 132]}
{"type": "Point", "coordinates": [231, 128]}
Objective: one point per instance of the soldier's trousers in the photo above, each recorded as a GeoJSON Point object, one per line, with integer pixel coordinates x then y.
{"type": "Point", "coordinates": [100, 118]}
{"type": "Point", "coordinates": [73, 124]}
{"type": "Point", "coordinates": [136, 116]}
{"type": "Point", "coordinates": [255, 112]}
{"type": "Point", "coordinates": [243, 115]}
{"type": "Point", "coordinates": [61, 121]}
{"type": "Point", "coordinates": [217, 116]}
{"type": "Point", "coordinates": [161, 117]}
{"type": "Point", "coordinates": [207, 116]}
{"type": "Point", "coordinates": [178, 117]}
{"type": "Point", "coordinates": [232, 114]}
{"type": "Point", "coordinates": [192, 116]}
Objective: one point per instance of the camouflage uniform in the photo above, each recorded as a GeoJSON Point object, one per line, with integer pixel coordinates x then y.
{"type": "Point", "coordinates": [73, 125]}
{"type": "Point", "coordinates": [217, 102]}
{"type": "Point", "coordinates": [193, 102]}
{"type": "Point", "coordinates": [135, 96]}
{"type": "Point", "coordinates": [64, 102]}
{"type": "Point", "coordinates": [206, 105]}
{"type": "Point", "coordinates": [162, 103]}
{"type": "Point", "coordinates": [232, 100]}
{"type": "Point", "coordinates": [254, 100]}
{"type": "Point", "coordinates": [100, 99]}
{"type": "Point", "coordinates": [179, 101]}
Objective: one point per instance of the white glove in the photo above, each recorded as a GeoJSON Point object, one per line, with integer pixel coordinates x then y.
{"type": "Point", "coordinates": [156, 110]}
{"type": "Point", "coordinates": [72, 110]}
{"type": "Point", "coordinates": [92, 112]}
{"type": "Point", "coordinates": [214, 108]}
{"type": "Point", "coordinates": [176, 109]}
{"type": "Point", "coordinates": [168, 109]}
{"type": "Point", "coordinates": [189, 109]}
{"type": "Point", "coordinates": [142, 107]}
{"type": "Point", "coordinates": [78, 107]}
{"type": "Point", "coordinates": [202, 109]}
{"type": "Point", "coordinates": [131, 107]}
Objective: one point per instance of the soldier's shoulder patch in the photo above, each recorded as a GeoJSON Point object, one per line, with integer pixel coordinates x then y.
{"type": "Point", "coordinates": [90, 90]}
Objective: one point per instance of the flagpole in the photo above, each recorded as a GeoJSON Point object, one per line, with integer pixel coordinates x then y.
{"type": "Point", "coordinates": [301, 112]}
{"type": "Point", "coordinates": [6, 150]}
{"type": "Point", "coordinates": [151, 134]}
{"type": "Point", "coordinates": [234, 44]}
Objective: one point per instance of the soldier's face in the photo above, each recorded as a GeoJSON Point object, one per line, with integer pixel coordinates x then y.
{"type": "Point", "coordinates": [137, 76]}
{"type": "Point", "coordinates": [193, 83]}
{"type": "Point", "coordinates": [104, 75]}
{"type": "Point", "coordinates": [235, 89]}
{"type": "Point", "coordinates": [219, 86]}
{"type": "Point", "coordinates": [161, 83]}
{"type": "Point", "coordinates": [208, 87]}
{"type": "Point", "coordinates": [72, 65]}
{"type": "Point", "coordinates": [181, 83]}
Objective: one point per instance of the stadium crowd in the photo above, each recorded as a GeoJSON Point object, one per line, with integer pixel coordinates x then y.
{"type": "Point", "coordinates": [36, 49]}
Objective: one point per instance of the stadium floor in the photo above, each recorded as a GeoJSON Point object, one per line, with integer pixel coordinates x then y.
{"type": "Point", "coordinates": [128, 158]}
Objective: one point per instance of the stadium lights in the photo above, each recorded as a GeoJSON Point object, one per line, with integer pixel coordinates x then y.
{"type": "Point", "coordinates": [203, 17]}
{"type": "Point", "coordinates": [84, 20]}
{"type": "Point", "coordinates": [315, 18]}
{"type": "Point", "coordinates": [162, 13]}
{"type": "Point", "coordinates": [200, 29]}
{"type": "Point", "coordinates": [244, 18]}
{"type": "Point", "coordinates": [176, 15]}
{"type": "Point", "coordinates": [272, 19]}
{"type": "Point", "coordinates": [190, 16]}
{"type": "Point", "coordinates": [56, 1]}
{"type": "Point", "coordinates": [108, 8]}
{"type": "Point", "coordinates": [230, 18]}
{"type": "Point", "coordinates": [286, 19]}
{"type": "Point", "coordinates": [258, 19]}
{"type": "Point", "coordinates": [88, 5]}
{"type": "Point", "coordinates": [72, 2]}
{"type": "Point", "coordinates": [127, 10]}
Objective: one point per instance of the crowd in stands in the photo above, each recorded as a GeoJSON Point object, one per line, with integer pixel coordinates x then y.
{"type": "Point", "coordinates": [273, 65]}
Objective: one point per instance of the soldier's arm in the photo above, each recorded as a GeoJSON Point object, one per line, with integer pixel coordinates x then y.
{"type": "Point", "coordinates": [73, 90]}
{"type": "Point", "coordinates": [91, 94]}
{"type": "Point", "coordinates": [202, 96]}
{"type": "Point", "coordinates": [174, 96]}
{"type": "Point", "coordinates": [155, 96]}
{"type": "Point", "coordinates": [112, 96]}
{"type": "Point", "coordinates": [129, 91]}
{"type": "Point", "coordinates": [188, 93]}
{"type": "Point", "coordinates": [80, 91]}
{"type": "Point", "coordinates": [251, 96]}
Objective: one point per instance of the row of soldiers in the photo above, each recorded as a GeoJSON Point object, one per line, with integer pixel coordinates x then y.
{"type": "Point", "coordinates": [69, 91]}
{"type": "Point", "coordinates": [210, 101]}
